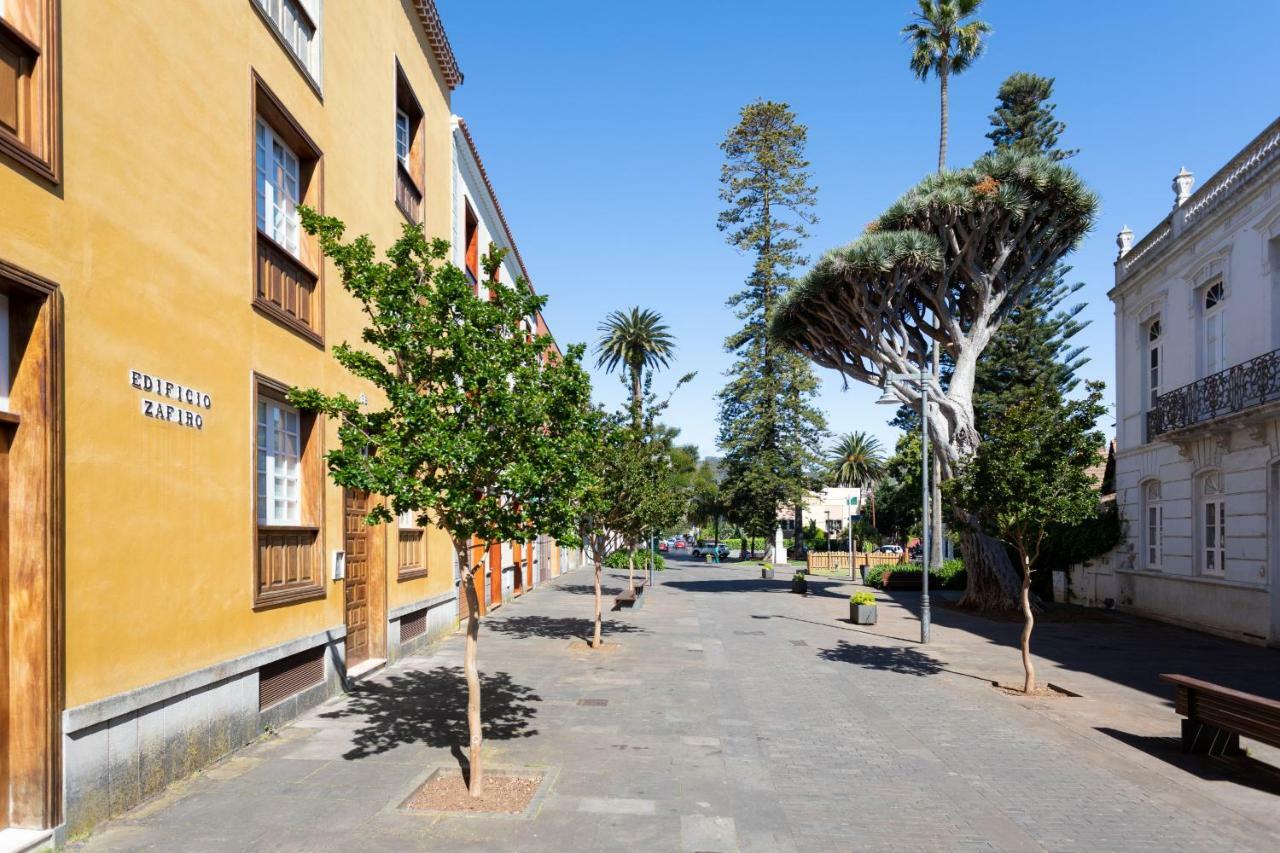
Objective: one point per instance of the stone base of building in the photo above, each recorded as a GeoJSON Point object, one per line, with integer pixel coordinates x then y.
{"type": "Point", "coordinates": [1224, 609]}
{"type": "Point", "coordinates": [412, 626]}
{"type": "Point", "coordinates": [122, 750]}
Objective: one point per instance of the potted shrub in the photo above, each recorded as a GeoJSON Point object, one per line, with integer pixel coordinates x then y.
{"type": "Point", "coordinates": [766, 571]}
{"type": "Point", "coordinates": [799, 583]}
{"type": "Point", "coordinates": [862, 608]}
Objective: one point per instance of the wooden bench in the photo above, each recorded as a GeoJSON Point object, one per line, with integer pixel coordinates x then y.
{"type": "Point", "coordinates": [639, 587]}
{"type": "Point", "coordinates": [624, 599]}
{"type": "Point", "coordinates": [1217, 716]}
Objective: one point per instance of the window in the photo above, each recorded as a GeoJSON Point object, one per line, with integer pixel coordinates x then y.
{"type": "Point", "coordinates": [288, 499]}
{"type": "Point", "coordinates": [287, 172]}
{"type": "Point", "coordinates": [1214, 334]}
{"type": "Point", "coordinates": [471, 240]}
{"type": "Point", "coordinates": [410, 163]}
{"type": "Point", "coordinates": [402, 137]}
{"type": "Point", "coordinates": [1153, 363]}
{"type": "Point", "coordinates": [413, 560]}
{"type": "Point", "coordinates": [30, 127]}
{"type": "Point", "coordinates": [278, 183]}
{"type": "Point", "coordinates": [1213, 525]}
{"type": "Point", "coordinates": [296, 23]}
{"type": "Point", "coordinates": [279, 463]}
{"type": "Point", "coordinates": [1153, 531]}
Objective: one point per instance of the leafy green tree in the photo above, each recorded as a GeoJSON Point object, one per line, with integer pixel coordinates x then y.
{"type": "Point", "coordinates": [944, 42]}
{"type": "Point", "coordinates": [478, 430]}
{"type": "Point", "coordinates": [1031, 473]}
{"type": "Point", "coordinates": [614, 485]}
{"type": "Point", "coordinates": [638, 340]}
{"type": "Point", "coordinates": [899, 492]}
{"type": "Point", "coordinates": [1024, 118]}
{"type": "Point", "coordinates": [769, 425]}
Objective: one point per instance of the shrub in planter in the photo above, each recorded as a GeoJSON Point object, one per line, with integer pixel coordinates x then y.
{"type": "Point", "coordinates": [618, 560]}
{"type": "Point", "coordinates": [766, 571]}
{"type": "Point", "coordinates": [862, 608]}
{"type": "Point", "coordinates": [799, 583]}
{"type": "Point", "coordinates": [950, 575]}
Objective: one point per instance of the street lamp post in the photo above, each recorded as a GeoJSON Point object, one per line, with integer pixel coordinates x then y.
{"type": "Point", "coordinates": [922, 381]}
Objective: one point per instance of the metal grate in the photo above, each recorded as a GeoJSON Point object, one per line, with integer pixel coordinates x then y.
{"type": "Point", "coordinates": [286, 677]}
{"type": "Point", "coordinates": [593, 703]}
{"type": "Point", "coordinates": [799, 643]}
{"type": "Point", "coordinates": [413, 626]}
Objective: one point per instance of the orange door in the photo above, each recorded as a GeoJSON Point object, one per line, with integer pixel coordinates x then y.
{"type": "Point", "coordinates": [495, 573]}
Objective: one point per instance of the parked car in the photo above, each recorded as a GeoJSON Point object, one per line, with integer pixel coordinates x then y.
{"type": "Point", "coordinates": [679, 546]}
{"type": "Point", "coordinates": [663, 546]}
{"type": "Point", "coordinates": [703, 548]}
{"type": "Point", "coordinates": [889, 549]}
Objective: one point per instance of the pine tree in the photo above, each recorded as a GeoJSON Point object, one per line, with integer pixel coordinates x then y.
{"type": "Point", "coordinates": [770, 429]}
{"type": "Point", "coordinates": [1032, 351]}
{"type": "Point", "coordinates": [1024, 118]}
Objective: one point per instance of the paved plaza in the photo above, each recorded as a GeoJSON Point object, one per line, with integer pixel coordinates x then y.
{"type": "Point", "coordinates": [733, 715]}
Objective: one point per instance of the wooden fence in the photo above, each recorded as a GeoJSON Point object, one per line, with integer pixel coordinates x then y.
{"type": "Point", "coordinates": [839, 560]}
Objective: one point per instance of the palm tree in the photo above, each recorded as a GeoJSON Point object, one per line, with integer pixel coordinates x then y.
{"type": "Point", "coordinates": [857, 459]}
{"type": "Point", "coordinates": [943, 44]}
{"type": "Point", "coordinates": [638, 340]}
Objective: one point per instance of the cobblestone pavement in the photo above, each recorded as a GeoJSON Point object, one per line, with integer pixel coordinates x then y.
{"type": "Point", "coordinates": [733, 715]}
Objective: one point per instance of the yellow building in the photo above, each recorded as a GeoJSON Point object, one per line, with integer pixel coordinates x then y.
{"type": "Point", "coordinates": [176, 571]}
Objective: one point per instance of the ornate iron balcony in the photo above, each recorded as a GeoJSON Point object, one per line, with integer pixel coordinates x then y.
{"type": "Point", "coordinates": [1234, 390]}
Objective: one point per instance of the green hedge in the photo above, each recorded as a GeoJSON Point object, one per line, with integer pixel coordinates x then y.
{"type": "Point", "coordinates": [949, 576]}
{"type": "Point", "coordinates": [618, 560]}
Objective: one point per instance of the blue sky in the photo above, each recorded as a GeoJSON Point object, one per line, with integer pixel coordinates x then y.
{"type": "Point", "coordinates": [599, 124]}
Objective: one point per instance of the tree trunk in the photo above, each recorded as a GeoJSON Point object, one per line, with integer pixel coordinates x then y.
{"type": "Point", "coordinates": [935, 522]}
{"type": "Point", "coordinates": [992, 581]}
{"type": "Point", "coordinates": [798, 539]}
{"type": "Point", "coordinates": [1028, 686]}
{"type": "Point", "coordinates": [476, 776]}
{"type": "Point", "coordinates": [637, 395]}
{"type": "Point", "coordinates": [595, 638]}
{"type": "Point", "coordinates": [943, 74]}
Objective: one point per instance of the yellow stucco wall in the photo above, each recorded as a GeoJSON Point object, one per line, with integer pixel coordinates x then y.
{"type": "Point", "coordinates": [149, 237]}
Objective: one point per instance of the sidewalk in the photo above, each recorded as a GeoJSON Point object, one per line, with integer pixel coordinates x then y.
{"type": "Point", "coordinates": [736, 716]}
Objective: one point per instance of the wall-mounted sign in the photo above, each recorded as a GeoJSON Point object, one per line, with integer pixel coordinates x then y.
{"type": "Point", "coordinates": [162, 410]}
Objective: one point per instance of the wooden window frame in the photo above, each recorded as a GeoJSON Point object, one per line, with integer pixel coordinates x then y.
{"type": "Point", "coordinates": [410, 571]}
{"type": "Point", "coordinates": [37, 146]}
{"type": "Point", "coordinates": [311, 499]}
{"type": "Point", "coordinates": [471, 244]}
{"type": "Point", "coordinates": [411, 177]}
{"type": "Point", "coordinates": [314, 81]}
{"type": "Point", "coordinates": [295, 272]}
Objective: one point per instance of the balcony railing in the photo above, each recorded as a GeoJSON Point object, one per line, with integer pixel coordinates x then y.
{"type": "Point", "coordinates": [1234, 390]}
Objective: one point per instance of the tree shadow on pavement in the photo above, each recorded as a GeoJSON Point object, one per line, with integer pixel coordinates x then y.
{"type": "Point", "coordinates": [1126, 649]}
{"type": "Point", "coordinates": [1240, 770]}
{"type": "Point", "coordinates": [558, 628]}
{"type": "Point", "coordinates": [430, 708]}
{"type": "Point", "coordinates": [888, 658]}
{"type": "Point", "coordinates": [589, 589]}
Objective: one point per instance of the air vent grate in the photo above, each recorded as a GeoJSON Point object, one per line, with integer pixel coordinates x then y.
{"type": "Point", "coordinates": [286, 677]}
{"type": "Point", "coordinates": [413, 625]}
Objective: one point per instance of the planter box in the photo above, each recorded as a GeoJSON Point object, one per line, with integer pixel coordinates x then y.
{"type": "Point", "coordinates": [862, 614]}
{"type": "Point", "coordinates": [800, 586]}
{"type": "Point", "coordinates": [766, 574]}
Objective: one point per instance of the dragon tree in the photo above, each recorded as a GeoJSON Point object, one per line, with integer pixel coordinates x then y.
{"type": "Point", "coordinates": [945, 264]}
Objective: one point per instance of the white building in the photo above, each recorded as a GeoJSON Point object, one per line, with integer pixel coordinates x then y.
{"type": "Point", "coordinates": [826, 509]}
{"type": "Point", "coordinates": [1197, 307]}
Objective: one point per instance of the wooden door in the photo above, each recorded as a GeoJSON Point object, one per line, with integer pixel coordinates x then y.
{"type": "Point", "coordinates": [356, 544]}
{"type": "Point", "coordinates": [495, 573]}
